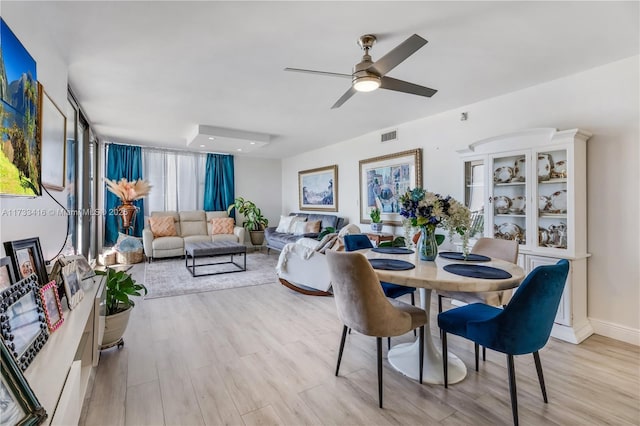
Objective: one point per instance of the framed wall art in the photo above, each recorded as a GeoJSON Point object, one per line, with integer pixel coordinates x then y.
{"type": "Point", "coordinates": [22, 321]}
{"type": "Point", "coordinates": [19, 404]}
{"type": "Point", "coordinates": [19, 144]}
{"type": "Point", "coordinates": [383, 179]}
{"type": "Point", "coordinates": [7, 277]}
{"type": "Point", "coordinates": [26, 256]}
{"type": "Point", "coordinates": [53, 128]}
{"type": "Point", "coordinates": [318, 189]}
{"type": "Point", "coordinates": [52, 306]}
{"type": "Point", "coordinates": [72, 285]}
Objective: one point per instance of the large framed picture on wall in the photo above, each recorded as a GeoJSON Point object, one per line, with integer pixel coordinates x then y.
{"type": "Point", "coordinates": [383, 179]}
{"type": "Point", "coordinates": [318, 189]}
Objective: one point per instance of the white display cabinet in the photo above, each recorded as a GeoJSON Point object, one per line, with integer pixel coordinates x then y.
{"type": "Point", "coordinates": [59, 375]}
{"type": "Point", "coordinates": [531, 186]}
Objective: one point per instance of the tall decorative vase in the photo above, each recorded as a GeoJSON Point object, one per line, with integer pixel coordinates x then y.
{"type": "Point", "coordinates": [427, 244]}
{"type": "Point", "coordinates": [127, 212]}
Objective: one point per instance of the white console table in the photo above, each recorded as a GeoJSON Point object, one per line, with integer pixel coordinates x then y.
{"type": "Point", "coordinates": [59, 374]}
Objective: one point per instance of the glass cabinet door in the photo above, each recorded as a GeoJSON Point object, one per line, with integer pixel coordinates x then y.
{"type": "Point", "coordinates": [552, 198]}
{"type": "Point", "coordinates": [508, 197]}
{"type": "Point", "coordinates": [474, 185]}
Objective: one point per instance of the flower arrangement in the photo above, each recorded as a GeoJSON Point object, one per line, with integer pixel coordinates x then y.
{"type": "Point", "coordinates": [128, 191]}
{"type": "Point", "coordinates": [431, 210]}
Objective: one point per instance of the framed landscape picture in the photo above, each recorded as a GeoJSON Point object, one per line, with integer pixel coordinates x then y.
{"type": "Point", "coordinates": [72, 285]}
{"type": "Point", "coordinates": [27, 258]}
{"type": "Point", "coordinates": [19, 143]}
{"type": "Point", "coordinates": [383, 179]}
{"type": "Point", "coordinates": [318, 189]}
{"type": "Point", "coordinates": [53, 126]}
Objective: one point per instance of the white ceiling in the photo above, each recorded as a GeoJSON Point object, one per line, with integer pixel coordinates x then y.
{"type": "Point", "coordinates": [150, 72]}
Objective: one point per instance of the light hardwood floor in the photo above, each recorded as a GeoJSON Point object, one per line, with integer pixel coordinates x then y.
{"type": "Point", "coordinates": [265, 355]}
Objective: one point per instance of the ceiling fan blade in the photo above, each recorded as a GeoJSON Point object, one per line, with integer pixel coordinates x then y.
{"type": "Point", "coordinates": [330, 74]}
{"type": "Point", "coordinates": [344, 98]}
{"type": "Point", "coordinates": [398, 54]}
{"type": "Point", "coordinates": [406, 87]}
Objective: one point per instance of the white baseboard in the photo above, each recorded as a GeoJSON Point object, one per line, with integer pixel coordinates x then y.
{"type": "Point", "coordinates": [616, 331]}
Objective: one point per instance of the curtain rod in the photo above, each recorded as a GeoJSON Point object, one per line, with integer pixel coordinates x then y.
{"type": "Point", "coordinates": [153, 148]}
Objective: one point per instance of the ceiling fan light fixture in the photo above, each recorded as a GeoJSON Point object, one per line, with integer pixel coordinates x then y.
{"type": "Point", "coordinates": [367, 83]}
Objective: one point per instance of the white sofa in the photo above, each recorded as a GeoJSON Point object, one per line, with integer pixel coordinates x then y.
{"type": "Point", "coordinates": [303, 269]}
{"type": "Point", "coordinates": [191, 226]}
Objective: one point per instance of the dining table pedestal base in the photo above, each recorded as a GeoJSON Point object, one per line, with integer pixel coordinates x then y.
{"type": "Point", "coordinates": [404, 357]}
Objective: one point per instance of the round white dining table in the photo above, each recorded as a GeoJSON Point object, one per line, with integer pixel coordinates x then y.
{"type": "Point", "coordinates": [428, 276]}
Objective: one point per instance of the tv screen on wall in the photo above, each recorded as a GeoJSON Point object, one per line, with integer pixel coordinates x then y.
{"type": "Point", "coordinates": [20, 147]}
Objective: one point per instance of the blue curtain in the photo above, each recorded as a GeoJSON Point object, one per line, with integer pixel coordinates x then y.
{"type": "Point", "coordinates": [123, 161]}
{"type": "Point", "coordinates": [219, 184]}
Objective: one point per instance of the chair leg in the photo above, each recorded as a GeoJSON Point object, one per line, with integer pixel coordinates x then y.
{"type": "Point", "coordinates": [484, 353]}
{"type": "Point", "coordinates": [536, 357]}
{"type": "Point", "coordinates": [512, 389]}
{"type": "Point", "coordinates": [388, 343]}
{"type": "Point", "coordinates": [413, 302]}
{"type": "Point", "coordinates": [445, 360]}
{"type": "Point", "coordinates": [476, 348]}
{"type": "Point", "coordinates": [439, 304]}
{"type": "Point", "coordinates": [421, 343]}
{"type": "Point", "coordinates": [344, 337]}
{"type": "Point", "coordinates": [379, 346]}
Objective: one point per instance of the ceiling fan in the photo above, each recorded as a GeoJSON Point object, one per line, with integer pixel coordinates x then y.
{"type": "Point", "coordinates": [368, 75]}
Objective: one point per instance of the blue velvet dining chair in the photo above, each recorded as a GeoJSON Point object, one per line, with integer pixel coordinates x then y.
{"type": "Point", "coordinates": [522, 327]}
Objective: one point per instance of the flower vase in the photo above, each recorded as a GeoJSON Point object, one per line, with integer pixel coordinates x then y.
{"type": "Point", "coordinates": [427, 244]}
{"type": "Point", "coordinates": [127, 212]}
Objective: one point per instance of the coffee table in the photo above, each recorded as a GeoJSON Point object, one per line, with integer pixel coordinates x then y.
{"type": "Point", "coordinates": [213, 249]}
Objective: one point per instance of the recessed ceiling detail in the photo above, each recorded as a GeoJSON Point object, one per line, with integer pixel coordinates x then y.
{"type": "Point", "coordinates": [223, 140]}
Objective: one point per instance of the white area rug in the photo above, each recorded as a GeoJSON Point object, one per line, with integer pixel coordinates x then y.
{"type": "Point", "coordinates": [164, 278]}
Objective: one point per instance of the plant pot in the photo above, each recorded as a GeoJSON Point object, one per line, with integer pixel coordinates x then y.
{"type": "Point", "coordinates": [377, 227]}
{"type": "Point", "coordinates": [256, 237]}
{"type": "Point", "coordinates": [115, 326]}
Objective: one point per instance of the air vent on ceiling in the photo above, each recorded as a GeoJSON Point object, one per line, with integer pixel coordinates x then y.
{"type": "Point", "coordinates": [389, 136]}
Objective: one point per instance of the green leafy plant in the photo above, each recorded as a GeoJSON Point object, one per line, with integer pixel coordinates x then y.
{"type": "Point", "coordinates": [375, 215]}
{"type": "Point", "coordinates": [253, 218]}
{"type": "Point", "coordinates": [120, 287]}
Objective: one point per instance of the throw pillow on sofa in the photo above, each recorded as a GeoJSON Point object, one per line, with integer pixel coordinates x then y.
{"type": "Point", "coordinates": [162, 226]}
{"type": "Point", "coordinates": [287, 223]}
{"type": "Point", "coordinates": [222, 225]}
{"type": "Point", "coordinates": [302, 228]}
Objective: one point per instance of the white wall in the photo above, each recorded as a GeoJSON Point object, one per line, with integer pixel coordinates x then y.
{"type": "Point", "coordinates": [259, 180]}
{"type": "Point", "coordinates": [52, 73]}
{"type": "Point", "coordinates": [603, 101]}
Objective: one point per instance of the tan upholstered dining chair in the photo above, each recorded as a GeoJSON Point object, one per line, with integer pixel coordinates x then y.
{"type": "Point", "coordinates": [499, 249]}
{"type": "Point", "coordinates": [363, 307]}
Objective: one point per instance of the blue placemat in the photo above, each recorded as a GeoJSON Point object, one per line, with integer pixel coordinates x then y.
{"type": "Point", "coordinates": [471, 257]}
{"type": "Point", "coordinates": [393, 250]}
{"type": "Point", "coordinates": [391, 264]}
{"type": "Point", "coordinates": [477, 271]}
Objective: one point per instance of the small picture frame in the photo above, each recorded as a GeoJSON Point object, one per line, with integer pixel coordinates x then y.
{"type": "Point", "coordinates": [19, 404]}
{"type": "Point", "coordinates": [318, 189]}
{"type": "Point", "coordinates": [84, 268]}
{"type": "Point", "coordinates": [72, 285]}
{"type": "Point", "coordinates": [22, 320]}
{"type": "Point", "coordinates": [7, 277]}
{"type": "Point", "coordinates": [52, 306]}
{"type": "Point", "coordinates": [26, 256]}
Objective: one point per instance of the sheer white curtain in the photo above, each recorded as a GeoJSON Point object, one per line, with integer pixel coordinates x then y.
{"type": "Point", "coordinates": [177, 179]}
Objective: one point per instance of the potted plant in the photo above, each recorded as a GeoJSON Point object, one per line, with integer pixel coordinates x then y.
{"type": "Point", "coordinates": [120, 288]}
{"type": "Point", "coordinates": [376, 222]}
{"type": "Point", "coordinates": [254, 221]}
